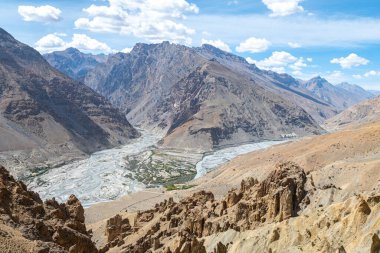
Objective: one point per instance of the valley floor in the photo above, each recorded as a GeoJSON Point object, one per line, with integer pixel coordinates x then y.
{"type": "Point", "coordinates": [138, 166]}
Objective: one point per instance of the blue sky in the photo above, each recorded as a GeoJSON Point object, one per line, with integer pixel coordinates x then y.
{"type": "Point", "coordinates": [339, 40]}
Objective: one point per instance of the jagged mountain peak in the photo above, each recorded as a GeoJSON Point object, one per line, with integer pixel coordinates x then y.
{"type": "Point", "coordinates": [211, 51]}
{"type": "Point", "coordinates": [320, 81]}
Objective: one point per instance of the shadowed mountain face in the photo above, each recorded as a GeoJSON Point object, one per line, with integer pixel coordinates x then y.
{"type": "Point", "coordinates": [74, 63]}
{"type": "Point", "coordinates": [42, 109]}
{"type": "Point", "coordinates": [201, 98]}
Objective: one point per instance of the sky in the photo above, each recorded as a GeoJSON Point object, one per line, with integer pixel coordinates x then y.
{"type": "Point", "coordinates": [338, 40]}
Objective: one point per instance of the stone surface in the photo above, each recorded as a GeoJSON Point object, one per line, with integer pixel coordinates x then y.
{"type": "Point", "coordinates": [49, 226]}
{"type": "Point", "coordinates": [179, 227]}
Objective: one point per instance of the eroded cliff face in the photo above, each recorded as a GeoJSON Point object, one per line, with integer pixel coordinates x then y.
{"type": "Point", "coordinates": [180, 227]}
{"type": "Point", "coordinates": [27, 224]}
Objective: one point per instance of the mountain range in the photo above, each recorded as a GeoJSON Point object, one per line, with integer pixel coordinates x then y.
{"type": "Point", "coordinates": [197, 100]}
{"type": "Point", "coordinates": [196, 94]}
{"type": "Point", "coordinates": [45, 114]}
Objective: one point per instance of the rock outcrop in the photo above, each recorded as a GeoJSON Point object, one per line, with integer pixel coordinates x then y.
{"type": "Point", "coordinates": [179, 227]}
{"type": "Point", "coordinates": [48, 226]}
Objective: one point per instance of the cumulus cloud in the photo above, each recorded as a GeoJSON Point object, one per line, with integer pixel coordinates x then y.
{"type": "Point", "coordinates": [294, 45]}
{"type": "Point", "coordinates": [336, 77]}
{"type": "Point", "coordinates": [217, 43]}
{"type": "Point", "coordinates": [352, 60]}
{"type": "Point", "coordinates": [253, 45]}
{"type": "Point", "coordinates": [371, 73]}
{"type": "Point", "coordinates": [53, 42]}
{"type": "Point", "coordinates": [126, 50]}
{"type": "Point", "coordinates": [153, 20]}
{"type": "Point", "coordinates": [250, 60]}
{"type": "Point", "coordinates": [45, 13]}
{"type": "Point", "coordinates": [280, 62]}
{"type": "Point", "coordinates": [283, 7]}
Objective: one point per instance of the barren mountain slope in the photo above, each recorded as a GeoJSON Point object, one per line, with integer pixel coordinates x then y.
{"type": "Point", "coordinates": [219, 107]}
{"type": "Point", "coordinates": [364, 112]}
{"type": "Point", "coordinates": [45, 115]}
{"type": "Point", "coordinates": [282, 84]}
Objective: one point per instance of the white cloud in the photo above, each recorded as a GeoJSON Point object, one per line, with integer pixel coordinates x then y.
{"type": "Point", "coordinates": [313, 31]}
{"type": "Point", "coordinates": [294, 45]}
{"type": "Point", "coordinates": [126, 50]}
{"type": "Point", "coordinates": [250, 60]}
{"type": "Point", "coordinates": [283, 7]}
{"type": "Point", "coordinates": [45, 13]}
{"type": "Point", "coordinates": [279, 62]}
{"type": "Point", "coordinates": [309, 59]}
{"type": "Point", "coordinates": [352, 60]}
{"type": "Point", "coordinates": [153, 20]}
{"type": "Point", "coordinates": [53, 42]}
{"type": "Point", "coordinates": [298, 65]}
{"type": "Point", "coordinates": [253, 45]}
{"type": "Point", "coordinates": [82, 41]}
{"type": "Point", "coordinates": [49, 43]}
{"type": "Point", "coordinates": [372, 73]}
{"type": "Point", "coordinates": [335, 77]}
{"type": "Point", "coordinates": [217, 43]}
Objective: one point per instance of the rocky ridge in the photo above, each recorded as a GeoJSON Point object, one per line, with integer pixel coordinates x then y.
{"type": "Point", "coordinates": [340, 96]}
{"type": "Point", "coordinates": [74, 63]}
{"type": "Point", "coordinates": [179, 227]}
{"type": "Point", "coordinates": [40, 226]}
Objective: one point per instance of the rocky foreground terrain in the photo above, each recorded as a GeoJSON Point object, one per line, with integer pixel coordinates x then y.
{"type": "Point", "coordinates": [257, 217]}
{"type": "Point", "coordinates": [27, 224]}
{"type": "Point", "coordinates": [319, 194]}
{"type": "Point", "coordinates": [47, 117]}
